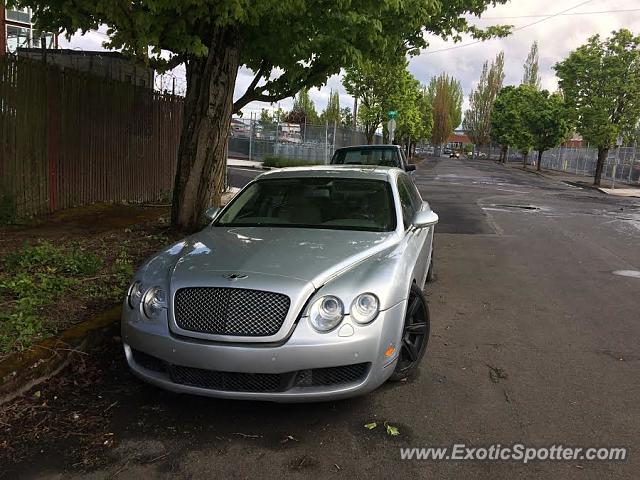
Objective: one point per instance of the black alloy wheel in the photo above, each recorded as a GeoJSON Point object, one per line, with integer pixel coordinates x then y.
{"type": "Point", "coordinates": [415, 335]}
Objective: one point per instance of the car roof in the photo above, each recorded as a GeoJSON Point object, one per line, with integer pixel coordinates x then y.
{"type": "Point", "coordinates": [369, 147]}
{"type": "Point", "coordinates": [372, 172]}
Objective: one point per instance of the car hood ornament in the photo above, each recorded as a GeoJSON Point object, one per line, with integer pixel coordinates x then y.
{"type": "Point", "coordinates": [235, 276]}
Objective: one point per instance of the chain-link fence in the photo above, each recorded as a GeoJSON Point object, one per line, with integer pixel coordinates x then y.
{"type": "Point", "coordinates": [255, 140]}
{"type": "Point", "coordinates": [622, 164]}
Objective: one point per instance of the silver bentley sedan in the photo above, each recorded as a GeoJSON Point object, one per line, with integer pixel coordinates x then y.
{"type": "Point", "coordinates": [306, 286]}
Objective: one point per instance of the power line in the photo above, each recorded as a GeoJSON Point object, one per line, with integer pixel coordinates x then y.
{"type": "Point", "coordinates": [563, 14]}
{"type": "Point", "coordinates": [549, 17]}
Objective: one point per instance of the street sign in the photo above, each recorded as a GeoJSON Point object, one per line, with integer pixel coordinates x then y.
{"type": "Point", "coordinates": [392, 114]}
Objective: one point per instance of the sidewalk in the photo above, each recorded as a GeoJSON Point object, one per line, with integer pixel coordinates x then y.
{"type": "Point", "coordinates": [234, 162]}
{"type": "Point", "coordinates": [620, 189]}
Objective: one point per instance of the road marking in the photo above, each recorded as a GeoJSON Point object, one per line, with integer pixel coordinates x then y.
{"type": "Point", "coordinates": [627, 273]}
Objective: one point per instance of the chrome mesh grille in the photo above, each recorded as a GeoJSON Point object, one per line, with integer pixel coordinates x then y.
{"type": "Point", "coordinates": [230, 311]}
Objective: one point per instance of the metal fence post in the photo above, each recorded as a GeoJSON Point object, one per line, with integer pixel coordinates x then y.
{"type": "Point", "coordinates": [251, 137]}
{"type": "Point", "coordinates": [326, 142]}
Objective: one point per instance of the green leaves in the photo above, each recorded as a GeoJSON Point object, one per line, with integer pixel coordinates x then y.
{"type": "Point", "coordinates": [445, 93]}
{"type": "Point", "coordinates": [600, 81]}
{"type": "Point", "coordinates": [509, 124]}
{"type": "Point", "coordinates": [548, 120]}
{"type": "Point", "coordinates": [477, 120]}
{"type": "Point", "coordinates": [389, 429]}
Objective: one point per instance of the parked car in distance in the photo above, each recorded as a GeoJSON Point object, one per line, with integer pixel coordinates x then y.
{"type": "Point", "coordinates": [383, 155]}
{"type": "Point", "coordinates": [307, 286]}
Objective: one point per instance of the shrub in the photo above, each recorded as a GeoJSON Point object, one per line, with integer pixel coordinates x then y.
{"type": "Point", "coordinates": [282, 162]}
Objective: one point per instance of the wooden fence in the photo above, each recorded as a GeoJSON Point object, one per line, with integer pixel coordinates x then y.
{"type": "Point", "coordinates": [68, 138]}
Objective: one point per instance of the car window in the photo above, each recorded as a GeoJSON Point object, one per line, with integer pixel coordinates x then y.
{"type": "Point", "coordinates": [416, 198]}
{"type": "Point", "coordinates": [404, 157]}
{"type": "Point", "coordinates": [388, 157]}
{"type": "Point", "coordinates": [408, 209]}
{"type": "Point", "coordinates": [329, 203]}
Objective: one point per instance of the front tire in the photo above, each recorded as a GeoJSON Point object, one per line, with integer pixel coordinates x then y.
{"type": "Point", "coordinates": [415, 335]}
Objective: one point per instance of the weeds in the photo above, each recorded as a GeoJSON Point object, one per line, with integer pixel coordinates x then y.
{"type": "Point", "coordinates": [36, 277]}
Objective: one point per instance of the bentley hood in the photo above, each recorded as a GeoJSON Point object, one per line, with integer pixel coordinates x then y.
{"type": "Point", "coordinates": [306, 255]}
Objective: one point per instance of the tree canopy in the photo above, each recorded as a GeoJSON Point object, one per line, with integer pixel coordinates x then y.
{"type": "Point", "coordinates": [303, 111]}
{"type": "Point", "coordinates": [531, 76]}
{"type": "Point", "coordinates": [288, 44]}
{"type": "Point", "coordinates": [548, 122]}
{"type": "Point", "coordinates": [477, 120]}
{"type": "Point", "coordinates": [509, 119]}
{"type": "Point", "coordinates": [445, 94]}
{"type": "Point", "coordinates": [601, 84]}
{"type": "Point", "coordinates": [332, 112]}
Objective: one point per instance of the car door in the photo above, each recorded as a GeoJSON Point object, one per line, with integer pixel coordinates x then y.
{"type": "Point", "coordinates": [418, 248]}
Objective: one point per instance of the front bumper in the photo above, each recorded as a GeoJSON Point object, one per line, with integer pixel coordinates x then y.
{"type": "Point", "coordinates": [304, 351]}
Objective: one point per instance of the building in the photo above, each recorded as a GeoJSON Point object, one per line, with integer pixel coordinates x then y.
{"type": "Point", "coordinates": [17, 31]}
{"type": "Point", "coordinates": [112, 65]}
{"type": "Point", "coordinates": [458, 139]}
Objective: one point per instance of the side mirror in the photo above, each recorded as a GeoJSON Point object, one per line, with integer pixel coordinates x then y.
{"type": "Point", "coordinates": [210, 213]}
{"type": "Point", "coordinates": [409, 167]}
{"type": "Point", "coordinates": [425, 218]}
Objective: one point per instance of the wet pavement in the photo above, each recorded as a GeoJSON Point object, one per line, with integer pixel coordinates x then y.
{"type": "Point", "coordinates": [534, 341]}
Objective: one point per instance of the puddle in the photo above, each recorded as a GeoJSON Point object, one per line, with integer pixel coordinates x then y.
{"type": "Point", "coordinates": [627, 273]}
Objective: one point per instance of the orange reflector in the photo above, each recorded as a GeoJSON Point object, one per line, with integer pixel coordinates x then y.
{"type": "Point", "coordinates": [390, 350]}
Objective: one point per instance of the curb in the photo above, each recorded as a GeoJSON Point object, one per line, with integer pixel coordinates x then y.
{"type": "Point", "coordinates": [21, 371]}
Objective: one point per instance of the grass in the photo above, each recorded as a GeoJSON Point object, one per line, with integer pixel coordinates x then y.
{"type": "Point", "coordinates": [37, 277]}
{"type": "Point", "coordinates": [282, 162]}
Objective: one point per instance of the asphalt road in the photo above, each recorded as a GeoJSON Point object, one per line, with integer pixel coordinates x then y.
{"type": "Point", "coordinates": [534, 341]}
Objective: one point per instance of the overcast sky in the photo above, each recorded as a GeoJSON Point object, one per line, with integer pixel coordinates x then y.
{"type": "Point", "coordinates": [556, 37]}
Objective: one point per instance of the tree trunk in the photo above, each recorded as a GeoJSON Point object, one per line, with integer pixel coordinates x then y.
{"type": "Point", "coordinates": [206, 125]}
{"type": "Point", "coordinates": [370, 137]}
{"type": "Point", "coordinates": [524, 160]}
{"type": "Point", "coordinates": [603, 153]}
{"type": "Point", "coordinates": [505, 153]}
{"type": "Point", "coordinates": [540, 152]}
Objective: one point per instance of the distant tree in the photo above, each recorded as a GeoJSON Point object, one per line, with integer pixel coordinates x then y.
{"type": "Point", "coordinates": [531, 69]}
{"type": "Point", "coordinates": [332, 112]}
{"type": "Point", "coordinates": [477, 120]}
{"type": "Point", "coordinates": [304, 110]}
{"type": "Point", "coordinates": [266, 119]}
{"type": "Point", "coordinates": [415, 119]}
{"type": "Point", "coordinates": [509, 120]}
{"type": "Point", "coordinates": [347, 117]}
{"type": "Point", "coordinates": [600, 82]}
{"type": "Point", "coordinates": [379, 89]}
{"type": "Point", "coordinates": [445, 94]}
{"type": "Point", "coordinates": [548, 122]}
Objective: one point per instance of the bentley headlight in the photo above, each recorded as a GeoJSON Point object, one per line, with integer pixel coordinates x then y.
{"type": "Point", "coordinates": [134, 295]}
{"type": "Point", "coordinates": [365, 308]}
{"type": "Point", "coordinates": [155, 300]}
{"type": "Point", "coordinates": [326, 313]}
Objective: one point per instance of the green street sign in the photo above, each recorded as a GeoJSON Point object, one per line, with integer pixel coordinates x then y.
{"type": "Point", "coordinates": [392, 114]}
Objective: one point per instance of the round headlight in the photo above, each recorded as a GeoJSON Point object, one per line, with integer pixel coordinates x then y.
{"type": "Point", "coordinates": [365, 308]}
{"type": "Point", "coordinates": [155, 300]}
{"type": "Point", "coordinates": [326, 313]}
{"type": "Point", "coordinates": [134, 295]}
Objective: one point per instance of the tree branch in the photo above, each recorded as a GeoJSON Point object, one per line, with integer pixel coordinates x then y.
{"type": "Point", "coordinates": [280, 87]}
